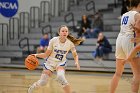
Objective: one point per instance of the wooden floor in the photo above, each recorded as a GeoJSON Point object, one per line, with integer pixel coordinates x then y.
{"type": "Point", "coordinates": [18, 81]}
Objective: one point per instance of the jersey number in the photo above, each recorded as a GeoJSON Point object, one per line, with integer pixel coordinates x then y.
{"type": "Point", "coordinates": [59, 56]}
{"type": "Point", "coordinates": [125, 20]}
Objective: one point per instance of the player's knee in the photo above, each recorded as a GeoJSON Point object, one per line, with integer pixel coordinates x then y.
{"type": "Point", "coordinates": [43, 80]}
{"type": "Point", "coordinates": [61, 79]}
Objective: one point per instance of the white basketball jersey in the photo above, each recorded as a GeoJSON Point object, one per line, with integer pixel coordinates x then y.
{"type": "Point", "coordinates": [59, 50]}
{"type": "Point", "coordinates": [127, 22]}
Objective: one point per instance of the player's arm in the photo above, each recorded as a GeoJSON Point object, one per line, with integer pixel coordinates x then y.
{"type": "Point", "coordinates": [44, 55]}
{"type": "Point", "coordinates": [47, 52]}
{"type": "Point", "coordinates": [76, 58]}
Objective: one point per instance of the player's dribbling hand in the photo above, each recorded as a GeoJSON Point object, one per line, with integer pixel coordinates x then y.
{"type": "Point", "coordinates": [77, 65]}
{"type": "Point", "coordinates": [33, 55]}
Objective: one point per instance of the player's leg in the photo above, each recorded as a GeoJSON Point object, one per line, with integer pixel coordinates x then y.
{"type": "Point", "coordinates": [62, 80]}
{"type": "Point", "coordinates": [135, 66]}
{"type": "Point", "coordinates": [120, 56]}
{"type": "Point", "coordinates": [117, 75]}
{"type": "Point", "coordinates": [42, 81]}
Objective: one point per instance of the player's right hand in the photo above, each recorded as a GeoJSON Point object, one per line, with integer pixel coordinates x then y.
{"type": "Point", "coordinates": [33, 55]}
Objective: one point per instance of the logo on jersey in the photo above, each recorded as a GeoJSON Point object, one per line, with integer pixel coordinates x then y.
{"type": "Point", "coordinates": [59, 54]}
{"type": "Point", "coordinates": [60, 51]}
{"type": "Point", "coordinates": [8, 8]}
{"type": "Point", "coordinates": [125, 20]}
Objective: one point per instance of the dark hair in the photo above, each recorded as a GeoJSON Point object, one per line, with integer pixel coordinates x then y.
{"type": "Point", "coordinates": [134, 3]}
{"type": "Point", "coordinates": [74, 40]}
{"type": "Point", "coordinates": [45, 34]}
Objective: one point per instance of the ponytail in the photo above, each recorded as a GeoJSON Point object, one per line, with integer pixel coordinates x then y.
{"type": "Point", "coordinates": [74, 40]}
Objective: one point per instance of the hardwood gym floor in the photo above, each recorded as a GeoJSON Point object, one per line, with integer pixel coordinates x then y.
{"type": "Point", "coordinates": [18, 81]}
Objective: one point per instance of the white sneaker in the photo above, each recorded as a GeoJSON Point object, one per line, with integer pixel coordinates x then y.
{"type": "Point", "coordinates": [30, 90]}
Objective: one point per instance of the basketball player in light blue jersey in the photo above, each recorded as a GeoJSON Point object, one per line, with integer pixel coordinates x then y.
{"type": "Point", "coordinates": [56, 59]}
{"type": "Point", "coordinates": [124, 46]}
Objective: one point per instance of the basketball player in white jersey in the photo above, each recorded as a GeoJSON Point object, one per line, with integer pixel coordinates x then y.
{"type": "Point", "coordinates": [124, 46]}
{"type": "Point", "coordinates": [56, 59]}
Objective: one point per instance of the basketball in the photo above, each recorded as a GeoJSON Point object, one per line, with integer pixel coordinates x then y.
{"type": "Point", "coordinates": [31, 62]}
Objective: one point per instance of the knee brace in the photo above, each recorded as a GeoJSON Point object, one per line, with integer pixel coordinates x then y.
{"type": "Point", "coordinates": [61, 78]}
{"type": "Point", "coordinates": [43, 80]}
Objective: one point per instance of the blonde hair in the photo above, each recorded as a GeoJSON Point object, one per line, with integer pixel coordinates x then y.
{"type": "Point", "coordinates": [73, 39]}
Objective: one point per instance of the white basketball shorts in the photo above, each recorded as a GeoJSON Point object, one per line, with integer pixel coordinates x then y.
{"type": "Point", "coordinates": [123, 46]}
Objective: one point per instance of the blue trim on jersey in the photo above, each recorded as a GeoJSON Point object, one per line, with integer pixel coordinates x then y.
{"type": "Point", "coordinates": [46, 59]}
{"type": "Point", "coordinates": [63, 64]}
{"type": "Point", "coordinates": [45, 67]}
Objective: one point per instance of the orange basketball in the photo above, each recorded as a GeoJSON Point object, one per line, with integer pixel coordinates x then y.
{"type": "Point", "coordinates": [31, 62]}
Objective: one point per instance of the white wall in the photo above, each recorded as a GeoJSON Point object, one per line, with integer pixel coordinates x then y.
{"type": "Point", "coordinates": [24, 5]}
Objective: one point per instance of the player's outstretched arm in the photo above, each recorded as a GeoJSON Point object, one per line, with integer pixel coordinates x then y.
{"type": "Point", "coordinates": [43, 55]}
{"type": "Point", "coordinates": [47, 52]}
{"type": "Point", "coordinates": [76, 58]}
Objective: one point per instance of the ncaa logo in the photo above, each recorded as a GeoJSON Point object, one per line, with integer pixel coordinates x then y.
{"type": "Point", "coordinates": [8, 8]}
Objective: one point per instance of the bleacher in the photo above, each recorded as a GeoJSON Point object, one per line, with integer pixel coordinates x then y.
{"type": "Point", "coordinates": [22, 39]}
